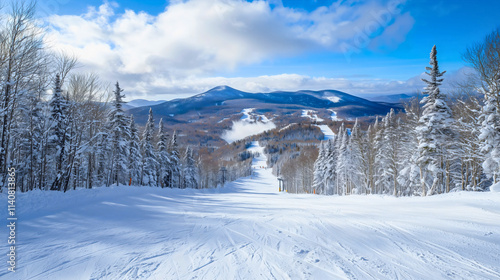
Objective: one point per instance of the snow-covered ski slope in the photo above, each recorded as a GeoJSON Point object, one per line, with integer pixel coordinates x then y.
{"type": "Point", "coordinates": [327, 131]}
{"type": "Point", "coordinates": [247, 230]}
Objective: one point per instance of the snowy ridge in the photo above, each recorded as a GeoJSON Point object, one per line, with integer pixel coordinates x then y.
{"type": "Point", "coordinates": [247, 230]}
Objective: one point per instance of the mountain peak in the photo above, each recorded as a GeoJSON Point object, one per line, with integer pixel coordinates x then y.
{"type": "Point", "coordinates": [221, 88]}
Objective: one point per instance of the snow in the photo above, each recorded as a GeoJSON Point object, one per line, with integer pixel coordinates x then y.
{"type": "Point", "coordinates": [248, 230]}
{"type": "Point", "coordinates": [334, 116]}
{"type": "Point", "coordinates": [334, 99]}
{"type": "Point", "coordinates": [248, 125]}
{"type": "Point", "coordinates": [287, 126]}
{"type": "Point", "coordinates": [495, 187]}
{"type": "Point", "coordinates": [246, 114]}
{"type": "Point", "coordinates": [311, 114]}
{"type": "Point", "coordinates": [243, 129]}
{"type": "Point", "coordinates": [327, 131]}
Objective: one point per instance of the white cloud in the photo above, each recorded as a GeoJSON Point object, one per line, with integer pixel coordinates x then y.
{"type": "Point", "coordinates": [191, 40]}
{"type": "Point", "coordinates": [171, 89]}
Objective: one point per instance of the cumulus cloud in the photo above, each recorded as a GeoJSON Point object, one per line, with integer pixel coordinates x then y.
{"type": "Point", "coordinates": [193, 39]}
{"type": "Point", "coordinates": [292, 82]}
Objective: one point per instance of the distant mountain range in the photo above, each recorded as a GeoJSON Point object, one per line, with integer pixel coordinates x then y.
{"type": "Point", "coordinates": [391, 98]}
{"type": "Point", "coordinates": [204, 119]}
{"type": "Point", "coordinates": [223, 102]}
{"type": "Point", "coordinates": [142, 102]}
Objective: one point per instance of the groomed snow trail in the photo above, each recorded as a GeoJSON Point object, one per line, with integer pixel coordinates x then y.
{"type": "Point", "coordinates": [327, 132]}
{"type": "Point", "coordinates": [247, 230]}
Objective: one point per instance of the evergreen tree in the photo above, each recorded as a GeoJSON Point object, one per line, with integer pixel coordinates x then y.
{"type": "Point", "coordinates": [58, 133]}
{"type": "Point", "coordinates": [134, 154]}
{"type": "Point", "coordinates": [330, 168]}
{"type": "Point", "coordinates": [484, 58]}
{"type": "Point", "coordinates": [434, 130]}
{"type": "Point", "coordinates": [163, 157]}
{"type": "Point", "coordinates": [343, 161]}
{"type": "Point", "coordinates": [490, 131]}
{"type": "Point", "coordinates": [319, 168]}
{"type": "Point", "coordinates": [190, 170]}
{"type": "Point", "coordinates": [119, 137]}
{"type": "Point", "coordinates": [409, 175]}
{"type": "Point", "coordinates": [149, 163]}
{"type": "Point", "coordinates": [379, 158]}
{"type": "Point", "coordinates": [356, 161]}
{"type": "Point", "coordinates": [174, 169]}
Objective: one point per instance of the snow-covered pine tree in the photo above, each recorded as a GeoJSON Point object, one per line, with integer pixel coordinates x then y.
{"type": "Point", "coordinates": [175, 174]}
{"type": "Point", "coordinates": [330, 167]}
{"type": "Point", "coordinates": [484, 58]}
{"type": "Point", "coordinates": [103, 156]}
{"type": "Point", "coordinates": [409, 175]}
{"type": "Point", "coordinates": [342, 161]}
{"type": "Point", "coordinates": [378, 143]}
{"type": "Point", "coordinates": [149, 163]}
{"type": "Point", "coordinates": [490, 131]}
{"type": "Point", "coordinates": [357, 164]}
{"type": "Point", "coordinates": [119, 137]}
{"type": "Point", "coordinates": [134, 154]}
{"type": "Point", "coordinates": [369, 155]}
{"type": "Point", "coordinates": [58, 133]}
{"type": "Point", "coordinates": [190, 170]}
{"type": "Point", "coordinates": [163, 157]}
{"type": "Point", "coordinates": [319, 168]}
{"type": "Point", "coordinates": [435, 135]}
{"type": "Point", "coordinates": [393, 151]}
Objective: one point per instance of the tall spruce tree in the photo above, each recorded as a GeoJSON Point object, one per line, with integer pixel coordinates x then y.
{"type": "Point", "coordinates": [163, 157]}
{"type": "Point", "coordinates": [484, 58]}
{"type": "Point", "coordinates": [319, 168]}
{"type": "Point", "coordinates": [434, 130]}
{"type": "Point", "coordinates": [134, 154]}
{"type": "Point", "coordinates": [356, 161]}
{"type": "Point", "coordinates": [189, 170]}
{"type": "Point", "coordinates": [149, 163]}
{"type": "Point", "coordinates": [175, 172]}
{"type": "Point", "coordinates": [330, 168]}
{"type": "Point", "coordinates": [58, 132]}
{"type": "Point", "coordinates": [342, 167]}
{"type": "Point", "coordinates": [119, 137]}
{"type": "Point", "coordinates": [490, 131]}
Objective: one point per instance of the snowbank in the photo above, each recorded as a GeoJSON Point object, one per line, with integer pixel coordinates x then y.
{"type": "Point", "coordinates": [495, 187]}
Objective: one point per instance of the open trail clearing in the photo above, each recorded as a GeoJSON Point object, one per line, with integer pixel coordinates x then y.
{"type": "Point", "coordinates": [248, 230]}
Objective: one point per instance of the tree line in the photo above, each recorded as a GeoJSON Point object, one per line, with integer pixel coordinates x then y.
{"type": "Point", "coordinates": [73, 137]}
{"type": "Point", "coordinates": [435, 146]}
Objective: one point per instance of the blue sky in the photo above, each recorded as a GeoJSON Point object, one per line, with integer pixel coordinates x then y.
{"type": "Point", "coordinates": [167, 49]}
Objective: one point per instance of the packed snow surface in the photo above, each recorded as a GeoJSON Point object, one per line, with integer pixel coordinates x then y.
{"type": "Point", "coordinates": [248, 230]}
{"type": "Point", "coordinates": [327, 131]}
